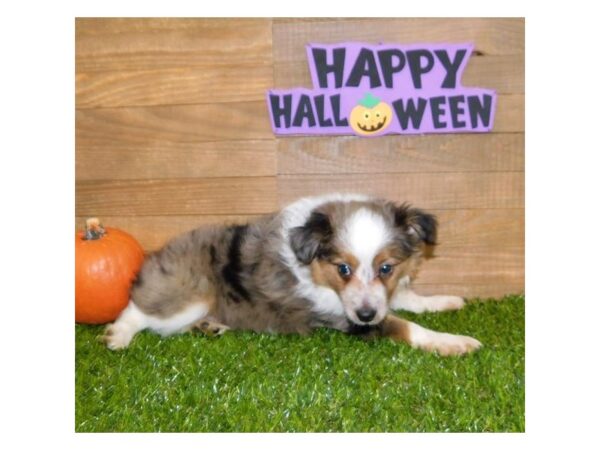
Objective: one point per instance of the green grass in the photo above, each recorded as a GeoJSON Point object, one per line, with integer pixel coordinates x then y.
{"type": "Point", "coordinates": [329, 381]}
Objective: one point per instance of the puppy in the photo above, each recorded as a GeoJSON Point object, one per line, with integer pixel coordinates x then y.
{"type": "Point", "coordinates": [336, 261]}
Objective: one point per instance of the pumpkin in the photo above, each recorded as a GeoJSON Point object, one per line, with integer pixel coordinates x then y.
{"type": "Point", "coordinates": [370, 116]}
{"type": "Point", "coordinates": [107, 261]}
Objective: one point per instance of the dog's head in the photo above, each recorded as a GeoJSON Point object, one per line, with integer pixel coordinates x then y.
{"type": "Point", "coordinates": [361, 250]}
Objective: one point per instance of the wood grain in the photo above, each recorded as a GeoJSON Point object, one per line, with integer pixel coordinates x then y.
{"type": "Point", "coordinates": [180, 123]}
{"type": "Point", "coordinates": [470, 291]}
{"type": "Point", "coordinates": [504, 73]}
{"type": "Point", "coordinates": [466, 229]}
{"type": "Point", "coordinates": [236, 196]}
{"type": "Point", "coordinates": [475, 266]}
{"type": "Point", "coordinates": [175, 160]}
{"type": "Point", "coordinates": [510, 114]}
{"type": "Point", "coordinates": [295, 20]}
{"type": "Point", "coordinates": [181, 85]}
{"type": "Point", "coordinates": [124, 44]}
{"type": "Point", "coordinates": [397, 154]}
{"type": "Point", "coordinates": [491, 36]}
{"type": "Point", "coordinates": [426, 190]}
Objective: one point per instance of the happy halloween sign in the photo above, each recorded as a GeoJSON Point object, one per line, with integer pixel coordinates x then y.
{"type": "Point", "coordinates": [372, 90]}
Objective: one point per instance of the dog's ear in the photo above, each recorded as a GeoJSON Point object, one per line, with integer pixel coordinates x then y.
{"type": "Point", "coordinates": [416, 222]}
{"type": "Point", "coordinates": [309, 240]}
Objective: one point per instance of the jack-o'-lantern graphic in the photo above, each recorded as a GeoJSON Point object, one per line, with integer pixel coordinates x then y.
{"type": "Point", "coordinates": [370, 116]}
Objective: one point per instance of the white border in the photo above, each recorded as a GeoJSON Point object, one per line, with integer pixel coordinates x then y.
{"type": "Point", "coordinates": [38, 190]}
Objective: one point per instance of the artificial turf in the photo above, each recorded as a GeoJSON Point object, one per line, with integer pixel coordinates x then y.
{"type": "Point", "coordinates": [329, 381]}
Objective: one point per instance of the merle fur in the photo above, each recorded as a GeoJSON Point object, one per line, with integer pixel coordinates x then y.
{"type": "Point", "coordinates": [233, 270]}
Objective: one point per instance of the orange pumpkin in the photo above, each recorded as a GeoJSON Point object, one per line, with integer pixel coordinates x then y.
{"type": "Point", "coordinates": [107, 261]}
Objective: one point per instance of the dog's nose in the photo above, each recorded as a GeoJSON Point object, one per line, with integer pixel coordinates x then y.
{"type": "Point", "coordinates": [365, 314]}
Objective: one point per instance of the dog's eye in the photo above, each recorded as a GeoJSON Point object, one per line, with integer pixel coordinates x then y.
{"type": "Point", "coordinates": [344, 270]}
{"type": "Point", "coordinates": [385, 270]}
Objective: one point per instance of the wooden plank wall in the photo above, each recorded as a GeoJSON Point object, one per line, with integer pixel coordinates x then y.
{"type": "Point", "coordinates": [172, 132]}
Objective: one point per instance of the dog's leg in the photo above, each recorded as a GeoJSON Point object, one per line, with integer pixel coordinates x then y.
{"type": "Point", "coordinates": [210, 327]}
{"type": "Point", "coordinates": [406, 299]}
{"type": "Point", "coordinates": [416, 336]}
{"type": "Point", "coordinates": [132, 320]}
{"type": "Point", "coordinates": [119, 334]}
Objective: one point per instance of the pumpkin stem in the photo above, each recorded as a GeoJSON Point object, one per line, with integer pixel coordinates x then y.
{"type": "Point", "coordinates": [93, 229]}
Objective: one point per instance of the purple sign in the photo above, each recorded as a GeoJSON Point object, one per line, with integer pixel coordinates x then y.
{"type": "Point", "coordinates": [373, 90]}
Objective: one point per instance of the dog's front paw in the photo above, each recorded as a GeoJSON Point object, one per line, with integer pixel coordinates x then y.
{"type": "Point", "coordinates": [452, 344]}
